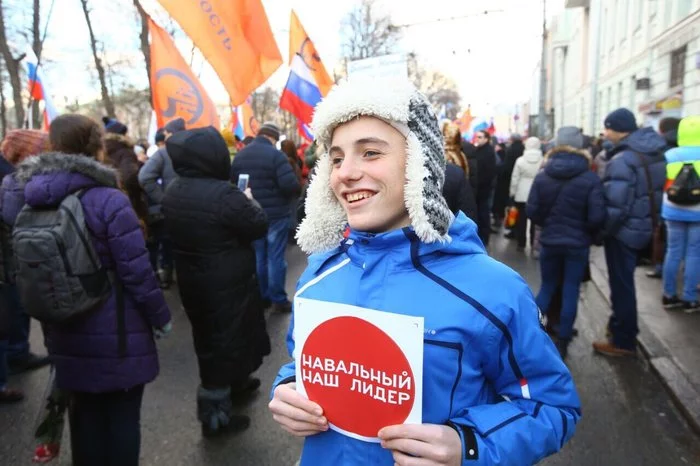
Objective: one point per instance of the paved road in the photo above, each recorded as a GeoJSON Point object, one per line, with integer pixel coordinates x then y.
{"type": "Point", "coordinates": [628, 417]}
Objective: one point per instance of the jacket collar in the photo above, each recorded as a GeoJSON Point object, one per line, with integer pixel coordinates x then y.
{"type": "Point", "coordinates": [53, 162]}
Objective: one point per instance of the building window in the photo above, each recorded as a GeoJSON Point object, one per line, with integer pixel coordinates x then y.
{"type": "Point", "coordinates": [668, 13]}
{"type": "Point", "coordinates": [624, 7]}
{"type": "Point", "coordinates": [677, 66]}
{"type": "Point", "coordinates": [684, 7]}
{"type": "Point", "coordinates": [638, 13]}
{"type": "Point", "coordinates": [619, 94]}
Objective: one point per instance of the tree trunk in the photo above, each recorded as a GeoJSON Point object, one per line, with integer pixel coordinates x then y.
{"type": "Point", "coordinates": [106, 99]}
{"type": "Point", "coordinates": [12, 65]}
{"type": "Point", "coordinates": [3, 107]}
{"type": "Point", "coordinates": [36, 46]}
{"type": "Point", "coordinates": [145, 48]}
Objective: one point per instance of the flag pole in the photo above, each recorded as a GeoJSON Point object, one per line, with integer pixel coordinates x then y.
{"type": "Point", "coordinates": [38, 63]}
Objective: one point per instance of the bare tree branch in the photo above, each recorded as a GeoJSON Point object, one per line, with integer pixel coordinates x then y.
{"type": "Point", "coordinates": [438, 88]}
{"type": "Point", "coordinates": [12, 65]}
{"type": "Point", "coordinates": [145, 49]}
{"type": "Point", "coordinates": [106, 99]}
{"type": "Point", "coordinates": [37, 47]}
{"type": "Point", "coordinates": [368, 34]}
{"type": "Point", "coordinates": [3, 106]}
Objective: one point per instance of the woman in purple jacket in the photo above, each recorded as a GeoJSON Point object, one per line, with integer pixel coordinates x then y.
{"type": "Point", "coordinates": [106, 384]}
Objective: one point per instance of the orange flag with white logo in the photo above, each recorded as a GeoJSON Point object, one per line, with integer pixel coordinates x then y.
{"type": "Point", "coordinates": [235, 38]}
{"type": "Point", "coordinates": [299, 43]}
{"type": "Point", "coordinates": [176, 90]}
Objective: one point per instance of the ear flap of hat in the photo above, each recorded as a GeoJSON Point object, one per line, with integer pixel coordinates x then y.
{"type": "Point", "coordinates": [322, 228]}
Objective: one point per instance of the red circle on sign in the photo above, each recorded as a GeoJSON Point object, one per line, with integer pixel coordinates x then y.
{"type": "Point", "coordinates": [362, 410]}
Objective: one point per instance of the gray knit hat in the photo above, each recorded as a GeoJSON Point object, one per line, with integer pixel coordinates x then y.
{"type": "Point", "coordinates": [397, 102]}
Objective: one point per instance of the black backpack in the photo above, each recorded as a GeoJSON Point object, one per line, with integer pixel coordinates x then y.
{"type": "Point", "coordinates": [685, 189]}
{"type": "Point", "coordinates": [59, 274]}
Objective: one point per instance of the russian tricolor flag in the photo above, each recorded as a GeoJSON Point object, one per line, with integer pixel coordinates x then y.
{"type": "Point", "coordinates": [243, 121]}
{"type": "Point", "coordinates": [308, 80]}
{"type": "Point", "coordinates": [37, 87]}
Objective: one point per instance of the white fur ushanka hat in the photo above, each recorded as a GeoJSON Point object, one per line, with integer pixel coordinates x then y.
{"type": "Point", "coordinates": [392, 100]}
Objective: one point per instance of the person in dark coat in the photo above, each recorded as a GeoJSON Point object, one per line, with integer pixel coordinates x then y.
{"type": "Point", "coordinates": [469, 151]}
{"type": "Point", "coordinates": [15, 354]}
{"type": "Point", "coordinates": [106, 381]}
{"type": "Point", "coordinates": [121, 155]}
{"type": "Point", "coordinates": [212, 226]}
{"type": "Point", "coordinates": [274, 185]}
{"type": "Point", "coordinates": [629, 223]}
{"type": "Point", "coordinates": [7, 394]}
{"type": "Point", "coordinates": [458, 193]}
{"type": "Point", "coordinates": [154, 177]}
{"type": "Point", "coordinates": [566, 200]}
{"type": "Point", "coordinates": [500, 197]}
{"type": "Point", "coordinates": [456, 190]}
{"type": "Point", "coordinates": [486, 165]}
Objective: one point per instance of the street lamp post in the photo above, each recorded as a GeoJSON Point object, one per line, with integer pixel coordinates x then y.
{"type": "Point", "coordinates": [541, 116]}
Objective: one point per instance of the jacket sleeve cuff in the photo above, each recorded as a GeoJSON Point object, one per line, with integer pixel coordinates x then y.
{"type": "Point", "coordinates": [470, 447]}
{"type": "Point", "coordinates": [292, 378]}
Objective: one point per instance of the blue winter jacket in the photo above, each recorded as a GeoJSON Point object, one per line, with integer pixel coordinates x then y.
{"type": "Point", "coordinates": [670, 210]}
{"type": "Point", "coordinates": [629, 217]}
{"type": "Point", "coordinates": [490, 370]}
{"type": "Point", "coordinates": [272, 179]}
{"type": "Point", "coordinates": [567, 200]}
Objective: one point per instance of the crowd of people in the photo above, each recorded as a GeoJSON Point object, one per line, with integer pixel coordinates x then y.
{"type": "Point", "coordinates": [388, 199]}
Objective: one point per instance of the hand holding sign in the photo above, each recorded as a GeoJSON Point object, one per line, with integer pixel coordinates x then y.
{"type": "Point", "coordinates": [423, 444]}
{"type": "Point", "coordinates": [295, 413]}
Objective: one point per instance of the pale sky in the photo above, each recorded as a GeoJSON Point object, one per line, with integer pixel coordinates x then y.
{"type": "Point", "coordinates": [491, 58]}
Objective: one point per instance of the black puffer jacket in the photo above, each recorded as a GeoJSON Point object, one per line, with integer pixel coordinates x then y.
{"type": "Point", "coordinates": [211, 225]}
{"type": "Point", "coordinates": [272, 179]}
{"type": "Point", "coordinates": [458, 192]}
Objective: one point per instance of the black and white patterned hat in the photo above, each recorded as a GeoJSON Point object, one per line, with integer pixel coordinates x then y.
{"type": "Point", "coordinates": [400, 104]}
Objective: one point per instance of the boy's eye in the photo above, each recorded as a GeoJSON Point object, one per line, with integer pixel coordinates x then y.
{"type": "Point", "coordinates": [336, 160]}
{"type": "Point", "coordinates": [371, 153]}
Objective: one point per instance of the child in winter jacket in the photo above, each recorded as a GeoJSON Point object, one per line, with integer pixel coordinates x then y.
{"type": "Point", "coordinates": [382, 237]}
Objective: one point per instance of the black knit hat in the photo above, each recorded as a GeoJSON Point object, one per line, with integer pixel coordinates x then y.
{"type": "Point", "coordinates": [175, 126]}
{"type": "Point", "coordinates": [621, 120]}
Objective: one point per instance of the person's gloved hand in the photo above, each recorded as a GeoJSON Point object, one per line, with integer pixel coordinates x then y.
{"type": "Point", "coordinates": [164, 331]}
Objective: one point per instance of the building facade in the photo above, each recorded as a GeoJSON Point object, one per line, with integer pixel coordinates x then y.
{"type": "Point", "coordinates": [639, 54]}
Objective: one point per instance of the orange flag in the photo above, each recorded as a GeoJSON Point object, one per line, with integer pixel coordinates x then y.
{"type": "Point", "coordinates": [176, 90]}
{"type": "Point", "coordinates": [299, 43]}
{"type": "Point", "coordinates": [234, 36]}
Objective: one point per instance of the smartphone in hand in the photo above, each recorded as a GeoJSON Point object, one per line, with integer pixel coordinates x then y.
{"type": "Point", "coordinates": [243, 181]}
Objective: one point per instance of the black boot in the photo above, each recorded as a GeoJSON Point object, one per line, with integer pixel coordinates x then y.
{"type": "Point", "coordinates": [215, 412]}
{"type": "Point", "coordinates": [562, 347]}
{"type": "Point", "coordinates": [242, 392]}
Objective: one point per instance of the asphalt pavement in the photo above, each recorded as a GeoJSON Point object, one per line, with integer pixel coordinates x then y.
{"type": "Point", "coordinates": [628, 417]}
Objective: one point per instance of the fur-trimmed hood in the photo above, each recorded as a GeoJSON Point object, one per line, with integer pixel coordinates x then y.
{"type": "Point", "coordinates": [48, 178]}
{"type": "Point", "coordinates": [567, 162]}
{"type": "Point", "coordinates": [569, 150]}
{"type": "Point", "coordinates": [400, 104]}
{"type": "Point", "coordinates": [114, 139]}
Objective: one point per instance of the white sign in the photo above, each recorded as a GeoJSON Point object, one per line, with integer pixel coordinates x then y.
{"type": "Point", "coordinates": [385, 66]}
{"type": "Point", "coordinates": [363, 367]}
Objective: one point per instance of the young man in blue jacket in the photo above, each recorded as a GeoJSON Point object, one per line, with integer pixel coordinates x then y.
{"type": "Point", "coordinates": [633, 184]}
{"type": "Point", "coordinates": [381, 236]}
